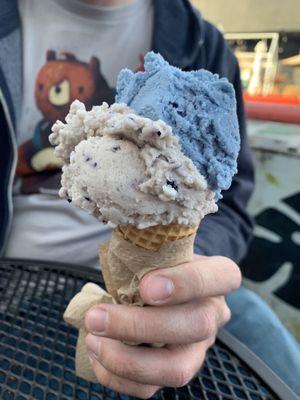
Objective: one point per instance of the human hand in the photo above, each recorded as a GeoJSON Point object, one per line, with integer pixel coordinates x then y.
{"type": "Point", "coordinates": [186, 306]}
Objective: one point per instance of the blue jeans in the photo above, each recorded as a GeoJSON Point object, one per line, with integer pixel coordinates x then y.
{"type": "Point", "coordinates": [257, 326]}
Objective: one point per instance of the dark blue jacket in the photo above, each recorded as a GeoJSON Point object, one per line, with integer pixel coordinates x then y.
{"type": "Point", "coordinates": [186, 41]}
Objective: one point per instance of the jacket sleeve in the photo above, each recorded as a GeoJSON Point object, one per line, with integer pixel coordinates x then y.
{"type": "Point", "coordinates": [228, 232]}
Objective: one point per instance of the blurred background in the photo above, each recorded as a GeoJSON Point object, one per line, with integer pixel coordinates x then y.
{"type": "Point", "coordinates": [265, 37]}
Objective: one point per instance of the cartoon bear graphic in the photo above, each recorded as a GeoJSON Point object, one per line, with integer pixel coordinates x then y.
{"type": "Point", "coordinates": [59, 82]}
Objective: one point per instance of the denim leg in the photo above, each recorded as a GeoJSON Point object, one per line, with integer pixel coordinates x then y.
{"type": "Point", "coordinates": [257, 326]}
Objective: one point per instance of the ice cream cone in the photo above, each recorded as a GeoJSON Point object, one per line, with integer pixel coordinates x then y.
{"type": "Point", "coordinates": [154, 237]}
{"type": "Point", "coordinates": [134, 252]}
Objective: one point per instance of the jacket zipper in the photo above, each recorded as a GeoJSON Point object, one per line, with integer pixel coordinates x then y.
{"type": "Point", "coordinates": [12, 170]}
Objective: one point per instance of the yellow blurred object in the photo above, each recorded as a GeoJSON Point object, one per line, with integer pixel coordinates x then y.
{"type": "Point", "coordinates": [292, 90]}
{"type": "Point", "coordinates": [196, 3]}
{"type": "Point", "coordinates": [260, 54]}
{"type": "Point", "coordinates": [259, 66]}
{"type": "Point", "coordinates": [291, 61]}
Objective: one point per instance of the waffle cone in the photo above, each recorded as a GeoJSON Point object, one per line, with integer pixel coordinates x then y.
{"type": "Point", "coordinates": [154, 237]}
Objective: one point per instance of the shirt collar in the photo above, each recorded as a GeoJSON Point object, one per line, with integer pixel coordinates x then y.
{"type": "Point", "coordinates": [109, 14]}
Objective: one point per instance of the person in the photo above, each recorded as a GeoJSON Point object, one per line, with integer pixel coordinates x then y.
{"type": "Point", "coordinates": [54, 51]}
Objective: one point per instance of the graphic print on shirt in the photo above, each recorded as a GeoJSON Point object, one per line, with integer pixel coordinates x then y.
{"type": "Point", "coordinates": [59, 82]}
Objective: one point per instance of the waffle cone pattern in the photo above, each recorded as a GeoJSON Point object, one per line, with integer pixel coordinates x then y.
{"type": "Point", "coordinates": [154, 237]}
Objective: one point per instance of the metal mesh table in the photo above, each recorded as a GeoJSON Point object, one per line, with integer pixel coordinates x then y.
{"type": "Point", "coordinates": [37, 347]}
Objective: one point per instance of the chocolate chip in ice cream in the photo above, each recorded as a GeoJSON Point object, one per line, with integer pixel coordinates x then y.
{"type": "Point", "coordinates": [172, 184]}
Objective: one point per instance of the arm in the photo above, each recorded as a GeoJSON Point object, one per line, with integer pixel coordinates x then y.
{"type": "Point", "coordinates": [185, 304]}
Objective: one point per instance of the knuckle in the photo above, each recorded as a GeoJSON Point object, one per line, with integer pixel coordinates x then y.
{"type": "Point", "coordinates": [222, 311]}
{"type": "Point", "coordinates": [193, 323]}
{"type": "Point", "coordinates": [226, 314]}
{"type": "Point", "coordinates": [237, 277]}
{"type": "Point", "coordinates": [235, 272]}
{"type": "Point", "coordinates": [130, 369]}
{"type": "Point", "coordinates": [208, 323]}
{"type": "Point", "coordinates": [119, 363]}
{"type": "Point", "coordinates": [138, 326]}
{"type": "Point", "coordinates": [120, 367]}
{"type": "Point", "coordinates": [182, 375]}
{"type": "Point", "coordinates": [198, 282]}
{"type": "Point", "coordinates": [133, 325]}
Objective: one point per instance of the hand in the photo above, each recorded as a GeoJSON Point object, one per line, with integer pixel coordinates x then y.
{"type": "Point", "coordinates": [186, 308]}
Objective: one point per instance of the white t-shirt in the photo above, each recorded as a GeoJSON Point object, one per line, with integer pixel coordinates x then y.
{"type": "Point", "coordinates": [71, 49]}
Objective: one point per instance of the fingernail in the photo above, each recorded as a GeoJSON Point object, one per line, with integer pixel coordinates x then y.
{"type": "Point", "coordinates": [96, 321]}
{"type": "Point", "coordinates": [159, 288]}
{"type": "Point", "coordinates": [93, 344]}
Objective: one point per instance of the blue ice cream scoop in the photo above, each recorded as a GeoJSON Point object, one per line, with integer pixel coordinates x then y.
{"type": "Point", "coordinates": [198, 105]}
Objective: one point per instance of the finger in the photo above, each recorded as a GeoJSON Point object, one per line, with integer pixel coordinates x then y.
{"type": "Point", "coordinates": [173, 367]}
{"type": "Point", "coordinates": [121, 385]}
{"type": "Point", "coordinates": [203, 277]}
{"type": "Point", "coordinates": [184, 323]}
